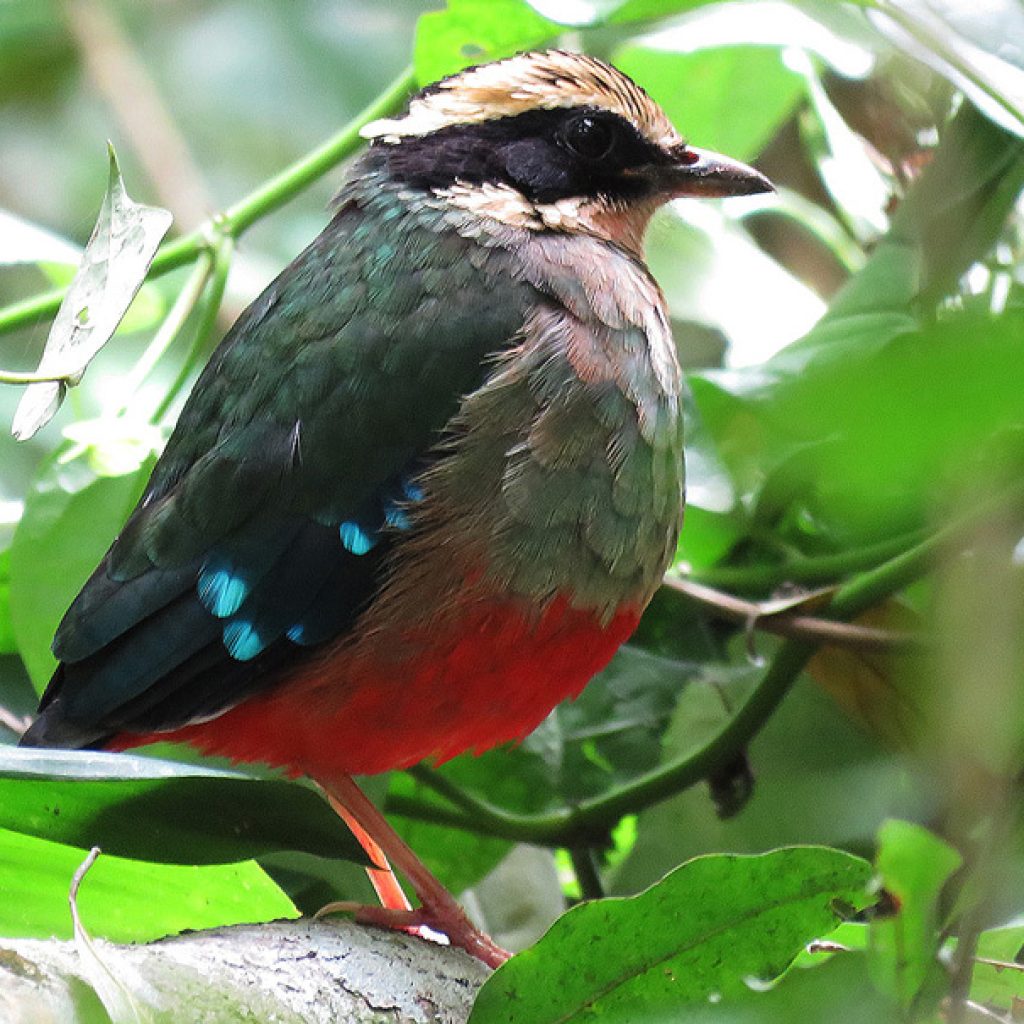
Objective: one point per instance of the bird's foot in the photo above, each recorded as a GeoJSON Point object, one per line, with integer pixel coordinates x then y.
{"type": "Point", "coordinates": [449, 921]}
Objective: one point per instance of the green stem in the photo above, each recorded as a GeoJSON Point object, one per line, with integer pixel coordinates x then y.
{"type": "Point", "coordinates": [237, 218]}
{"type": "Point", "coordinates": [207, 322]}
{"type": "Point", "coordinates": [813, 569]}
{"type": "Point", "coordinates": [588, 875]}
{"type": "Point", "coordinates": [593, 818]}
{"type": "Point", "coordinates": [15, 377]}
{"type": "Point", "coordinates": [169, 328]}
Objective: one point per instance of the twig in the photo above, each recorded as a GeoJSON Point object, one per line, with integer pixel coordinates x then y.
{"type": "Point", "coordinates": [76, 881]}
{"type": "Point", "coordinates": [758, 615]}
{"type": "Point", "coordinates": [17, 724]}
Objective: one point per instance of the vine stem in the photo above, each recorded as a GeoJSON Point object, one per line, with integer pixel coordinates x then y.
{"type": "Point", "coordinates": [204, 329]}
{"type": "Point", "coordinates": [170, 327]}
{"type": "Point", "coordinates": [592, 819]}
{"type": "Point", "coordinates": [241, 215]}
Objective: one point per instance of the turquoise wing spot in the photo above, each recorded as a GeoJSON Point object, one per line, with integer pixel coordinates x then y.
{"type": "Point", "coordinates": [242, 640]}
{"type": "Point", "coordinates": [222, 592]}
{"type": "Point", "coordinates": [297, 634]}
{"type": "Point", "coordinates": [355, 539]}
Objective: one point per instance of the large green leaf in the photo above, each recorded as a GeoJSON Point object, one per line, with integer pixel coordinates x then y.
{"type": "Point", "coordinates": [71, 516]}
{"type": "Point", "coordinates": [154, 810]}
{"type": "Point", "coordinates": [126, 900]}
{"type": "Point", "coordinates": [709, 930]}
{"type": "Point", "coordinates": [730, 99]}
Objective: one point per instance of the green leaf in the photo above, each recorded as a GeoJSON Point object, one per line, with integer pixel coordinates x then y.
{"type": "Point", "coordinates": [650, 10]}
{"type": "Point", "coordinates": [731, 99]}
{"type": "Point", "coordinates": [980, 52]}
{"type": "Point", "coordinates": [914, 866]}
{"type": "Point", "coordinates": [126, 900]}
{"type": "Point", "coordinates": [999, 983]}
{"type": "Point", "coordinates": [153, 810]}
{"type": "Point", "coordinates": [70, 518]}
{"type": "Point", "coordinates": [475, 31]}
{"type": "Point", "coordinates": [114, 265]}
{"type": "Point", "coordinates": [712, 929]}
{"type": "Point", "coordinates": [7, 642]}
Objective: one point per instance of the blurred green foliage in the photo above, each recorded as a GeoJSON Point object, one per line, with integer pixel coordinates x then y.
{"type": "Point", "coordinates": [821, 450]}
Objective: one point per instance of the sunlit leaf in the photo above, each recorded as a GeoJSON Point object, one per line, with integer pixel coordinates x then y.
{"type": "Point", "coordinates": [998, 978]}
{"type": "Point", "coordinates": [114, 265]}
{"type": "Point", "coordinates": [713, 928]}
{"type": "Point", "coordinates": [475, 31]}
{"type": "Point", "coordinates": [126, 900]}
{"type": "Point", "coordinates": [705, 262]}
{"type": "Point", "coordinates": [71, 517]}
{"type": "Point", "coordinates": [21, 241]}
{"type": "Point", "coordinates": [729, 99]}
{"type": "Point", "coordinates": [979, 49]}
{"type": "Point", "coordinates": [162, 811]}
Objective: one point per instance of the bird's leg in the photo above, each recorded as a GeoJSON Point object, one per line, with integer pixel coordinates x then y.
{"type": "Point", "coordinates": [439, 910]}
{"type": "Point", "coordinates": [382, 878]}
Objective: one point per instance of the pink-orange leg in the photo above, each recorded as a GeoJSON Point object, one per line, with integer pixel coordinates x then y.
{"type": "Point", "coordinates": [439, 910]}
{"type": "Point", "coordinates": [382, 878]}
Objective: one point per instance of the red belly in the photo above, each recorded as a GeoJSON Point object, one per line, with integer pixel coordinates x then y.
{"type": "Point", "coordinates": [490, 676]}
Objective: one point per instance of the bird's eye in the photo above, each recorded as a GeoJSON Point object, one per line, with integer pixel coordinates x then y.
{"type": "Point", "coordinates": [589, 137]}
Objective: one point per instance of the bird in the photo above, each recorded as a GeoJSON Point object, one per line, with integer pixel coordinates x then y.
{"type": "Point", "coordinates": [430, 478]}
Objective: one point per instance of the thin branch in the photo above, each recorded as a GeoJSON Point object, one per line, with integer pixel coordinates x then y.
{"type": "Point", "coordinates": [17, 724]}
{"type": "Point", "coordinates": [761, 615]}
{"type": "Point", "coordinates": [16, 377]}
{"type": "Point", "coordinates": [264, 200]}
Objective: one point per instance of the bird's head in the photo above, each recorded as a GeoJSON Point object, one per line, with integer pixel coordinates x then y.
{"type": "Point", "coordinates": [552, 141]}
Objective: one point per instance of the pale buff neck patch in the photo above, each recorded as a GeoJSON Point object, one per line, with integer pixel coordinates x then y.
{"type": "Point", "coordinates": [530, 81]}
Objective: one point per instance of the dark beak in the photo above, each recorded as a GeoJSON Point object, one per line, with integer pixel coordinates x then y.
{"type": "Point", "coordinates": [703, 174]}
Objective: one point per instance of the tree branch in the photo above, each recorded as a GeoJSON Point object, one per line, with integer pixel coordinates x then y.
{"type": "Point", "coordinates": [312, 971]}
{"type": "Point", "coordinates": [761, 615]}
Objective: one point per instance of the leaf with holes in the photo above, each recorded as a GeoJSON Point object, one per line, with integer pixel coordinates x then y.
{"type": "Point", "coordinates": [114, 265]}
